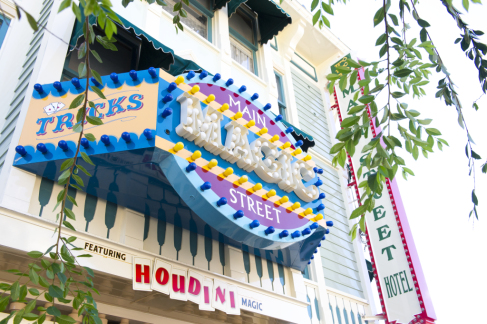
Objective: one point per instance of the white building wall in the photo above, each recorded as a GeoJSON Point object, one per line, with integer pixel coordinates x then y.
{"type": "Point", "coordinates": [22, 192]}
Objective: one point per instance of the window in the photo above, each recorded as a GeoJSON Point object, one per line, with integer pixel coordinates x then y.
{"type": "Point", "coordinates": [306, 274]}
{"type": "Point", "coordinates": [274, 43]}
{"type": "Point", "coordinates": [243, 38]}
{"type": "Point", "coordinates": [199, 16]}
{"type": "Point", "coordinates": [280, 96]}
{"type": "Point", "coordinates": [304, 66]}
{"type": "Point", "coordinates": [242, 55]}
{"type": "Point", "coordinates": [126, 57]}
{"type": "Point", "coordinates": [4, 23]}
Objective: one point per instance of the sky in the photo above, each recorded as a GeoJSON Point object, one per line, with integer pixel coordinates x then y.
{"type": "Point", "coordinates": [452, 247]}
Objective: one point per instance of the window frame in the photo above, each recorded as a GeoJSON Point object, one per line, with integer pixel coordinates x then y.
{"type": "Point", "coordinates": [250, 46]}
{"type": "Point", "coordinates": [281, 103]}
{"type": "Point", "coordinates": [274, 44]}
{"type": "Point", "coordinates": [4, 29]}
{"type": "Point", "coordinates": [209, 17]}
{"type": "Point", "coordinates": [314, 77]}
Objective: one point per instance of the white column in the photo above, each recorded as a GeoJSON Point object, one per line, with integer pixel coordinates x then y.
{"type": "Point", "coordinates": [317, 275]}
{"type": "Point", "coordinates": [298, 287]}
{"type": "Point", "coordinates": [222, 41]}
{"type": "Point", "coordinates": [236, 264]}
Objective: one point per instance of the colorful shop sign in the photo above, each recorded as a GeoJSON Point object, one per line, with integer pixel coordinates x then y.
{"type": "Point", "coordinates": [228, 158]}
{"type": "Point", "coordinates": [402, 287]}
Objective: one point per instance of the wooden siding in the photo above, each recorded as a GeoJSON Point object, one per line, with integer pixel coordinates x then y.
{"type": "Point", "coordinates": [311, 113]}
{"type": "Point", "coordinates": [340, 266]}
{"type": "Point", "coordinates": [22, 84]}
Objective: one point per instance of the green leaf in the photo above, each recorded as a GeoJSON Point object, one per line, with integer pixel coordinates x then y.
{"type": "Point", "coordinates": [65, 319]}
{"type": "Point", "coordinates": [433, 131]}
{"type": "Point", "coordinates": [56, 292]}
{"type": "Point", "coordinates": [94, 120]}
{"type": "Point", "coordinates": [425, 121]}
{"type": "Point", "coordinates": [474, 198]}
{"type": "Point", "coordinates": [32, 21]}
{"type": "Point", "coordinates": [423, 23]}
{"type": "Point", "coordinates": [379, 16]}
{"type": "Point", "coordinates": [77, 128]}
{"type": "Point", "coordinates": [84, 256]}
{"type": "Point", "coordinates": [30, 316]}
{"type": "Point", "coordinates": [342, 84]}
{"type": "Point", "coordinates": [35, 254]}
{"type": "Point", "coordinates": [90, 272]}
{"type": "Point", "coordinates": [408, 170]}
{"type": "Point", "coordinates": [381, 40]}
{"type": "Point", "coordinates": [349, 121]}
{"type": "Point", "coordinates": [64, 5]}
{"type": "Point", "coordinates": [15, 291]}
{"type": "Point", "coordinates": [366, 99]}
{"type": "Point", "coordinates": [68, 225]}
{"type": "Point", "coordinates": [402, 73]}
{"type": "Point", "coordinates": [98, 58]}
{"type": "Point", "coordinates": [34, 292]}
{"type": "Point", "coordinates": [97, 77]}
{"type": "Point", "coordinates": [66, 164]}
{"type": "Point", "coordinates": [77, 101]}
{"type": "Point", "coordinates": [81, 70]}
{"type": "Point", "coordinates": [86, 158]}
{"type": "Point", "coordinates": [466, 4]}
{"type": "Point", "coordinates": [4, 302]}
{"type": "Point", "coordinates": [358, 212]}
{"type": "Point", "coordinates": [90, 137]}
{"type": "Point", "coordinates": [30, 306]}
{"type": "Point", "coordinates": [69, 213]}
{"type": "Point", "coordinates": [33, 276]}
{"type": "Point", "coordinates": [76, 11]}
{"type": "Point", "coordinates": [98, 92]}
{"type": "Point", "coordinates": [327, 8]}
{"type": "Point", "coordinates": [18, 316]}
{"type": "Point", "coordinates": [353, 64]}
{"type": "Point", "coordinates": [80, 167]}
{"type": "Point", "coordinates": [72, 200]}
{"type": "Point", "coordinates": [394, 19]}
{"type": "Point", "coordinates": [316, 17]}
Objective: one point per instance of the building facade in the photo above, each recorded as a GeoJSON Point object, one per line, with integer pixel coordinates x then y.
{"type": "Point", "coordinates": [274, 51]}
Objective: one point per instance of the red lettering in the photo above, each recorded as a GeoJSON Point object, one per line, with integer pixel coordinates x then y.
{"type": "Point", "coordinates": [175, 287]}
{"type": "Point", "coordinates": [162, 276]}
{"type": "Point", "coordinates": [207, 294]}
{"type": "Point", "coordinates": [139, 273]}
{"type": "Point", "coordinates": [220, 294]}
{"type": "Point", "coordinates": [232, 299]}
{"type": "Point", "coordinates": [194, 286]}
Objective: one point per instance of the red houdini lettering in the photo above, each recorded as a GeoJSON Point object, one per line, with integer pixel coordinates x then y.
{"type": "Point", "coordinates": [175, 287]}
{"type": "Point", "coordinates": [139, 273]}
{"type": "Point", "coordinates": [162, 276]}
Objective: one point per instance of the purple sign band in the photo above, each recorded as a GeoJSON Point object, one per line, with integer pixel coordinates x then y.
{"type": "Point", "coordinates": [253, 206]}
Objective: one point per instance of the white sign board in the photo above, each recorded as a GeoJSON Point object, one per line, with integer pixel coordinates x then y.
{"type": "Point", "coordinates": [386, 240]}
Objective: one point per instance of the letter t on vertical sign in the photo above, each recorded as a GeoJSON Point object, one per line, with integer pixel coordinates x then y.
{"type": "Point", "coordinates": [161, 277]}
{"type": "Point", "coordinates": [178, 284]}
{"type": "Point", "coordinates": [141, 274]}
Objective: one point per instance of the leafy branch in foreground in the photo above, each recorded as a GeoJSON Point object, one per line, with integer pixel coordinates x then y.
{"type": "Point", "coordinates": [404, 72]}
{"type": "Point", "coordinates": [57, 270]}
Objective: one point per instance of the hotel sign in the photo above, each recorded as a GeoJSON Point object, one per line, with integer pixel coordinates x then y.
{"type": "Point", "coordinates": [391, 243]}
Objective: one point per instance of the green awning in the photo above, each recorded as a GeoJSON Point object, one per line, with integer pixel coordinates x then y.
{"type": "Point", "coordinates": [298, 134]}
{"type": "Point", "coordinates": [272, 18]}
{"type": "Point", "coordinates": [153, 53]}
